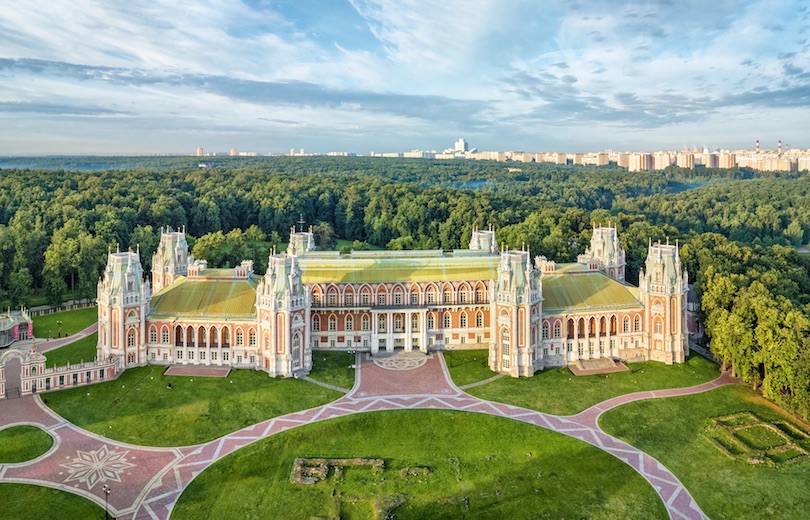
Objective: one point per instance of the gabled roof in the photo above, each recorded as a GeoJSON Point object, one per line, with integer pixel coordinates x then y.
{"type": "Point", "coordinates": [583, 292]}
{"type": "Point", "coordinates": [398, 266]}
{"type": "Point", "coordinates": [209, 299]}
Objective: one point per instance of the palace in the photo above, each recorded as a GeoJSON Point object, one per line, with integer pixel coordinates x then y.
{"type": "Point", "coordinates": [529, 313]}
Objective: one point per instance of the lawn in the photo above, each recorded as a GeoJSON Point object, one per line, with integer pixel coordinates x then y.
{"type": "Point", "coordinates": [72, 322]}
{"type": "Point", "coordinates": [674, 431]}
{"type": "Point", "coordinates": [27, 502]}
{"type": "Point", "coordinates": [438, 464]}
{"type": "Point", "coordinates": [558, 391]}
{"type": "Point", "coordinates": [22, 443]}
{"type": "Point", "coordinates": [333, 368]}
{"type": "Point", "coordinates": [83, 349]}
{"type": "Point", "coordinates": [140, 408]}
{"type": "Point", "coordinates": [468, 366]}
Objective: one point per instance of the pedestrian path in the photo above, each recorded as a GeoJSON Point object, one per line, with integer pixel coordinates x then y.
{"type": "Point", "coordinates": [148, 482]}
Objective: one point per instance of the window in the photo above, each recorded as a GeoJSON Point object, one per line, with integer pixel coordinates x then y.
{"type": "Point", "coordinates": [381, 299]}
{"type": "Point", "coordinates": [349, 323]}
{"type": "Point", "coordinates": [332, 299]}
{"type": "Point", "coordinates": [380, 323]}
{"type": "Point", "coordinates": [414, 323]}
{"type": "Point", "coordinates": [398, 323]}
{"type": "Point", "coordinates": [626, 324]}
{"type": "Point", "coordinates": [152, 336]}
{"type": "Point", "coordinates": [462, 296]}
{"type": "Point", "coordinates": [557, 330]}
{"type": "Point", "coordinates": [398, 299]}
{"type": "Point", "coordinates": [152, 356]}
{"type": "Point", "coordinates": [365, 323]}
{"type": "Point", "coordinates": [364, 298]}
{"type": "Point", "coordinates": [414, 298]}
{"type": "Point", "coordinates": [479, 296]}
{"type": "Point", "coordinates": [349, 297]}
{"type": "Point", "coordinates": [316, 323]}
{"type": "Point", "coordinates": [165, 336]}
{"type": "Point", "coordinates": [191, 355]}
{"type": "Point", "coordinates": [447, 320]}
{"type": "Point", "coordinates": [179, 354]}
{"type": "Point", "coordinates": [332, 323]}
{"type": "Point", "coordinates": [658, 327]}
{"type": "Point", "coordinates": [545, 331]}
{"type": "Point", "coordinates": [214, 355]}
{"type": "Point", "coordinates": [505, 347]}
{"type": "Point", "coordinates": [226, 356]}
{"type": "Point", "coordinates": [131, 339]}
{"type": "Point", "coordinates": [202, 356]}
{"type": "Point", "coordinates": [637, 324]}
{"type": "Point", "coordinates": [252, 338]}
{"type": "Point", "coordinates": [446, 298]}
{"type": "Point", "coordinates": [240, 337]}
{"type": "Point", "coordinates": [165, 356]}
{"type": "Point", "coordinates": [463, 321]}
{"type": "Point", "coordinates": [479, 320]}
{"type": "Point", "coordinates": [431, 322]}
{"type": "Point", "coordinates": [431, 297]}
{"type": "Point", "coordinates": [316, 298]}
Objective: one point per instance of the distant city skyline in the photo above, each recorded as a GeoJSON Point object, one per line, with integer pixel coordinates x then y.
{"type": "Point", "coordinates": [393, 75]}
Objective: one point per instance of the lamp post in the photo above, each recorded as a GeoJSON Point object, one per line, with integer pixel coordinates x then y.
{"type": "Point", "coordinates": [106, 489]}
{"type": "Point", "coordinates": [59, 334]}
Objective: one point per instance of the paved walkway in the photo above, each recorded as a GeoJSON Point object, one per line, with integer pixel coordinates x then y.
{"type": "Point", "coordinates": [147, 482]}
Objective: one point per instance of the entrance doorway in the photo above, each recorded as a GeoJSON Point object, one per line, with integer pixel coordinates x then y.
{"type": "Point", "coordinates": [13, 372]}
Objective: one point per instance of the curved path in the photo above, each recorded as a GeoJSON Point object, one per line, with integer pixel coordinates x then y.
{"type": "Point", "coordinates": [147, 482]}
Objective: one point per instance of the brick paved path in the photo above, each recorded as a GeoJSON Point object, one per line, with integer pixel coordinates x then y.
{"type": "Point", "coordinates": [152, 479]}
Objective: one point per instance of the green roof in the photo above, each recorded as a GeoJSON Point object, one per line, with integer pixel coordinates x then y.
{"type": "Point", "coordinates": [211, 299]}
{"type": "Point", "coordinates": [582, 292]}
{"type": "Point", "coordinates": [396, 266]}
{"type": "Point", "coordinates": [571, 268]}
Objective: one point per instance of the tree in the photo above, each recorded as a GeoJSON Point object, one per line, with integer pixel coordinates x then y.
{"type": "Point", "coordinates": [19, 287]}
{"type": "Point", "coordinates": [324, 236]}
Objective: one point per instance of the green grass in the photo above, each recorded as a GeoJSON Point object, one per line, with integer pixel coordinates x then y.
{"type": "Point", "coordinates": [27, 502]}
{"type": "Point", "coordinates": [341, 242]}
{"type": "Point", "coordinates": [22, 443]}
{"type": "Point", "coordinates": [468, 366]}
{"type": "Point", "coordinates": [333, 368]}
{"type": "Point", "coordinates": [83, 349]}
{"type": "Point", "coordinates": [558, 391]}
{"type": "Point", "coordinates": [672, 431]}
{"type": "Point", "coordinates": [139, 408]}
{"type": "Point", "coordinates": [504, 468]}
{"type": "Point", "coordinates": [72, 322]}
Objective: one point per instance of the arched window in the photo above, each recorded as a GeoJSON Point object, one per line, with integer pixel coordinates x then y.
{"type": "Point", "coordinates": [332, 297]}
{"type": "Point", "coordinates": [153, 335]}
{"type": "Point", "coordinates": [296, 351]}
{"type": "Point", "coordinates": [431, 322]}
{"type": "Point", "coordinates": [349, 323]}
{"type": "Point", "coordinates": [240, 337]}
{"type": "Point", "coordinates": [398, 297]}
{"type": "Point", "coordinates": [462, 321]}
{"type": "Point", "coordinates": [545, 331]}
{"type": "Point", "coordinates": [557, 330]}
{"type": "Point", "coordinates": [637, 324]}
{"type": "Point", "coordinates": [366, 325]}
{"type": "Point", "coordinates": [431, 297]}
{"type": "Point", "coordinates": [226, 333]}
{"type": "Point", "coordinates": [131, 338]}
{"type": "Point", "coordinates": [398, 323]}
{"type": "Point", "coordinates": [252, 338]}
{"type": "Point", "coordinates": [659, 326]}
{"type": "Point", "coordinates": [316, 323]}
{"type": "Point", "coordinates": [213, 338]}
{"type": "Point", "coordinates": [626, 324]}
{"type": "Point", "coordinates": [189, 336]}
{"type": "Point", "coordinates": [415, 322]}
{"type": "Point", "coordinates": [479, 319]}
{"type": "Point", "coordinates": [446, 320]}
{"type": "Point", "coordinates": [505, 348]}
{"type": "Point", "coordinates": [332, 323]}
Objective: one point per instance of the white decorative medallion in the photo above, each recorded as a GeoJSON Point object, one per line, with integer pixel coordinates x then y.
{"type": "Point", "coordinates": [102, 465]}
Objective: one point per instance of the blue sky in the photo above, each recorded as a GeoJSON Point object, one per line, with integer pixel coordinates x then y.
{"type": "Point", "coordinates": [155, 76]}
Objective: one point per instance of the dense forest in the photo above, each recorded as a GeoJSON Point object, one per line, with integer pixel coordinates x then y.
{"type": "Point", "coordinates": [739, 228]}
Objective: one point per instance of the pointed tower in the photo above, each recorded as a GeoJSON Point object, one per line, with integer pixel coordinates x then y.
{"type": "Point", "coordinates": [663, 287]}
{"type": "Point", "coordinates": [171, 259]}
{"type": "Point", "coordinates": [483, 241]}
{"type": "Point", "coordinates": [301, 241]}
{"type": "Point", "coordinates": [606, 253]}
{"type": "Point", "coordinates": [123, 303]}
{"type": "Point", "coordinates": [283, 308]}
{"type": "Point", "coordinates": [516, 311]}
